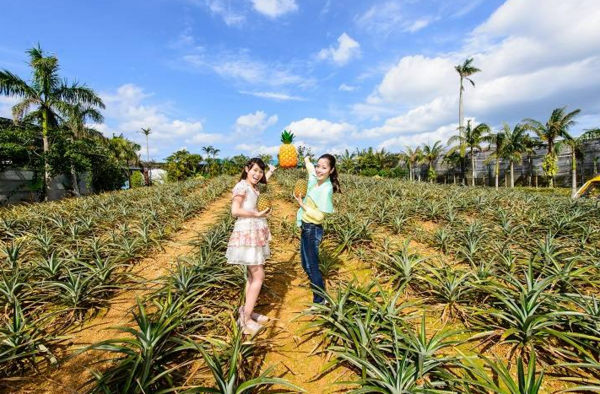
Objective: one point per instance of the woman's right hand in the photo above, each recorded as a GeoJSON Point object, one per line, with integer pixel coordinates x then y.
{"type": "Point", "coordinates": [263, 214]}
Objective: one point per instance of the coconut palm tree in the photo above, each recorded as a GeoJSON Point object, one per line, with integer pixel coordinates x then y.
{"type": "Point", "coordinates": [411, 157]}
{"type": "Point", "coordinates": [383, 159]}
{"type": "Point", "coordinates": [346, 161]}
{"type": "Point", "coordinates": [514, 146]}
{"type": "Point", "coordinates": [77, 116]}
{"type": "Point", "coordinates": [470, 138]}
{"type": "Point", "coordinates": [430, 154]}
{"type": "Point", "coordinates": [45, 97]}
{"type": "Point", "coordinates": [265, 157]}
{"type": "Point", "coordinates": [465, 70]}
{"type": "Point", "coordinates": [453, 160]}
{"type": "Point", "coordinates": [575, 145]}
{"type": "Point", "coordinates": [126, 152]}
{"type": "Point", "coordinates": [496, 141]}
{"type": "Point", "coordinates": [147, 131]}
{"type": "Point", "coordinates": [556, 127]}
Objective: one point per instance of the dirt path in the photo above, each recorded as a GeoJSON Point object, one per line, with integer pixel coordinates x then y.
{"type": "Point", "coordinates": [285, 295]}
{"type": "Point", "coordinates": [73, 372]}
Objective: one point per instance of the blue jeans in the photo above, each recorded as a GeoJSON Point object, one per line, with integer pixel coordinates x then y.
{"type": "Point", "coordinates": [310, 240]}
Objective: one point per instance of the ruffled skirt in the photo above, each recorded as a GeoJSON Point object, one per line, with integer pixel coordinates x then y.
{"type": "Point", "coordinates": [249, 242]}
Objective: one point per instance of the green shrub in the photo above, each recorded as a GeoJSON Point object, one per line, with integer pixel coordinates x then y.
{"type": "Point", "coordinates": [137, 179]}
{"type": "Point", "coordinates": [369, 172]}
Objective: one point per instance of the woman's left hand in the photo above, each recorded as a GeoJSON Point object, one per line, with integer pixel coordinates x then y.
{"type": "Point", "coordinates": [272, 168]}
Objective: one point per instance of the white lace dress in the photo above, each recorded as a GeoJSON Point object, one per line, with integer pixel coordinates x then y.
{"type": "Point", "coordinates": [249, 242]}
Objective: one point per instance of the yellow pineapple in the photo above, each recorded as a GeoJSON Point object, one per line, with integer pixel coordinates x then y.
{"type": "Point", "coordinates": [264, 202]}
{"type": "Point", "coordinates": [301, 188]}
{"type": "Point", "coordinates": [288, 158]}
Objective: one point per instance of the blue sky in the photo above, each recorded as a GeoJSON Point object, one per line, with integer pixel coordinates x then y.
{"type": "Point", "coordinates": [339, 73]}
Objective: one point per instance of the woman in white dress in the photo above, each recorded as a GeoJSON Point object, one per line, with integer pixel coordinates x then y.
{"type": "Point", "coordinates": [249, 241]}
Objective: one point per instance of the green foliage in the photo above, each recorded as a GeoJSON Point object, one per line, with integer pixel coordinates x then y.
{"type": "Point", "coordinates": [137, 179]}
{"type": "Point", "coordinates": [550, 164]}
{"type": "Point", "coordinates": [369, 172]}
{"type": "Point", "coordinates": [431, 174]}
{"type": "Point", "coordinates": [20, 147]}
{"type": "Point", "coordinates": [182, 165]}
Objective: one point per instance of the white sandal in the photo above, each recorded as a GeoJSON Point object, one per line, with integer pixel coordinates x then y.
{"type": "Point", "coordinates": [257, 317]}
{"type": "Point", "coordinates": [249, 327]}
{"type": "Point", "coordinates": [261, 319]}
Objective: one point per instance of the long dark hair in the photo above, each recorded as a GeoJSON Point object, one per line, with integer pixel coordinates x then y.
{"type": "Point", "coordinates": [258, 161]}
{"type": "Point", "coordinates": [333, 176]}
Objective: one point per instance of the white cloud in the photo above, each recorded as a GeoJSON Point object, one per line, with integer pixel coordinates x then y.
{"type": "Point", "coordinates": [383, 19]}
{"type": "Point", "coordinates": [254, 123]}
{"type": "Point", "coordinates": [417, 25]}
{"type": "Point", "coordinates": [321, 130]}
{"type": "Point", "coordinates": [257, 149]}
{"type": "Point", "coordinates": [347, 49]}
{"type": "Point", "coordinates": [126, 112]}
{"type": "Point", "coordinates": [275, 8]}
{"type": "Point", "coordinates": [273, 96]}
{"type": "Point", "coordinates": [240, 67]}
{"type": "Point", "coordinates": [533, 59]}
{"type": "Point", "coordinates": [417, 79]}
{"type": "Point", "coordinates": [224, 9]}
{"type": "Point", "coordinates": [346, 88]}
{"type": "Point", "coordinates": [442, 134]}
{"type": "Point", "coordinates": [6, 104]}
{"type": "Point", "coordinates": [423, 118]}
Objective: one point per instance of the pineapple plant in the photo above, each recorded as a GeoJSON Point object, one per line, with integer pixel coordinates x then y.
{"type": "Point", "coordinates": [301, 188]}
{"type": "Point", "coordinates": [288, 157]}
{"type": "Point", "coordinates": [264, 202]}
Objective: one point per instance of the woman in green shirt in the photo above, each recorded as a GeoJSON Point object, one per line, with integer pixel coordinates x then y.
{"type": "Point", "coordinates": [322, 183]}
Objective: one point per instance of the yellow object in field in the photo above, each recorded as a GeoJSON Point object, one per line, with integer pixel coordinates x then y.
{"type": "Point", "coordinates": [288, 157]}
{"type": "Point", "coordinates": [264, 203]}
{"type": "Point", "coordinates": [591, 189]}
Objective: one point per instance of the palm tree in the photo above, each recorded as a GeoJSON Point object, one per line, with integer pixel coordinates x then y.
{"type": "Point", "coordinates": [430, 154]}
{"type": "Point", "coordinates": [147, 131]}
{"type": "Point", "coordinates": [48, 94]}
{"type": "Point", "coordinates": [77, 116]}
{"type": "Point", "coordinates": [515, 144]}
{"type": "Point", "coordinates": [346, 161]}
{"type": "Point", "coordinates": [557, 126]}
{"type": "Point", "coordinates": [453, 160]}
{"type": "Point", "coordinates": [470, 138]}
{"type": "Point", "coordinates": [497, 141]}
{"type": "Point", "coordinates": [465, 70]}
{"type": "Point", "coordinates": [265, 157]}
{"type": "Point", "coordinates": [575, 145]}
{"type": "Point", "coordinates": [411, 157]}
{"type": "Point", "coordinates": [383, 159]}
{"type": "Point", "coordinates": [125, 152]}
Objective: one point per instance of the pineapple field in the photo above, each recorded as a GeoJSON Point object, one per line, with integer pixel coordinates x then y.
{"type": "Point", "coordinates": [431, 289]}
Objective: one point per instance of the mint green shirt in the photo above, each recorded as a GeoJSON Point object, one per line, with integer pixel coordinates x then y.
{"type": "Point", "coordinates": [318, 198]}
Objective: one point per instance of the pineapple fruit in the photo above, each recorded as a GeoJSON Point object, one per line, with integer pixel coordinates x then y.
{"type": "Point", "coordinates": [288, 158]}
{"type": "Point", "coordinates": [264, 202]}
{"type": "Point", "coordinates": [301, 188]}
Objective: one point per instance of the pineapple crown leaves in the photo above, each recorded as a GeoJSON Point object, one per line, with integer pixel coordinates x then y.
{"type": "Point", "coordinates": [287, 137]}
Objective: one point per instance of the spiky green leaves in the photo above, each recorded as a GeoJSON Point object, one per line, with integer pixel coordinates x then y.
{"type": "Point", "coordinates": [287, 137]}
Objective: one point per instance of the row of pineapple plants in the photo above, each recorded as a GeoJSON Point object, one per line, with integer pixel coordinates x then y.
{"type": "Point", "coordinates": [514, 274]}
{"type": "Point", "coordinates": [62, 261]}
{"type": "Point", "coordinates": [184, 337]}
